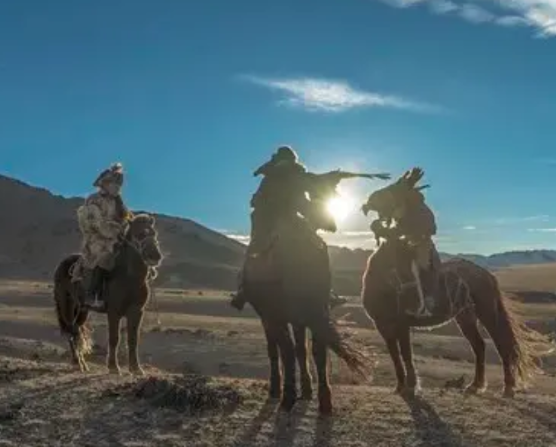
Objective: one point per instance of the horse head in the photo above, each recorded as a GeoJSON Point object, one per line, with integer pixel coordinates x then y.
{"type": "Point", "coordinates": [142, 235]}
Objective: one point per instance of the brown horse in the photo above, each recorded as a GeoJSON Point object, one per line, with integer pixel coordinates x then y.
{"type": "Point", "coordinates": [300, 348]}
{"type": "Point", "coordinates": [126, 292]}
{"type": "Point", "coordinates": [299, 297]}
{"type": "Point", "coordinates": [467, 293]}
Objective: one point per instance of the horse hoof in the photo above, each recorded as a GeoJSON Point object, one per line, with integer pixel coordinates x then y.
{"type": "Point", "coordinates": [288, 403]}
{"type": "Point", "coordinates": [398, 390]}
{"type": "Point", "coordinates": [115, 371]}
{"type": "Point", "coordinates": [411, 391]}
{"type": "Point", "coordinates": [137, 371]}
{"type": "Point", "coordinates": [509, 393]}
{"type": "Point", "coordinates": [473, 389]}
{"type": "Point", "coordinates": [79, 368]}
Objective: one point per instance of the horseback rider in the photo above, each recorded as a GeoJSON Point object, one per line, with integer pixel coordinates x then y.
{"type": "Point", "coordinates": [406, 215]}
{"type": "Point", "coordinates": [102, 220]}
{"type": "Point", "coordinates": [281, 195]}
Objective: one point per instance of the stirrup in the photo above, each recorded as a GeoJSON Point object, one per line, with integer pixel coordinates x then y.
{"type": "Point", "coordinates": [94, 303]}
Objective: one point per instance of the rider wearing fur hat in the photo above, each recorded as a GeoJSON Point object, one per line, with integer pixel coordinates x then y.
{"type": "Point", "coordinates": [102, 221]}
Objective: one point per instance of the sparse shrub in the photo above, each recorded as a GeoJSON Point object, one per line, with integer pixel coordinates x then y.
{"type": "Point", "coordinates": [190, 394]}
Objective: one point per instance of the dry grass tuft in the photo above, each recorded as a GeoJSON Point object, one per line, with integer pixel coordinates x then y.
{"type": "Point", "coordinates": [189, 394]}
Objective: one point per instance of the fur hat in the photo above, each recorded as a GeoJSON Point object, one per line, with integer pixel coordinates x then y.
{"type": "Point", "coordinates": [284, 155]}
{"type": "Point", "coordinates": [115, 173]}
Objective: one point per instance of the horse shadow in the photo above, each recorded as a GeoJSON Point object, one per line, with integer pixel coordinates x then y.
{"type": "Point", "coordinates": [323, 432]}
{"type": "Point", "coordinates": [544, 414]}
{"type": "Point", "coordinates": [429, 426]}
{"type": "Point", "coordinates": [285, 427]}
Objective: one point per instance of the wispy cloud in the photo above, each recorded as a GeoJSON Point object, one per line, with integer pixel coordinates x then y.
{"type": "Point", "coordinates": [520, 220]}
{"type": "Point", "coordinates": [537, 14]}
{"type": "Point", "coordinates": [542, 230]}
{"type": "Point", "coordinates": [316, 94]}
{"type": "Point", "coordinates": [470, 227]}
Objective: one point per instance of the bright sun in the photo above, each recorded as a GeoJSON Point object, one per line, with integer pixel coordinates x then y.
{"type": "Point", "coordinates": [339, 207]}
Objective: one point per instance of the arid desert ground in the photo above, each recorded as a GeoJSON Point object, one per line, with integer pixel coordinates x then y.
{"type": "Point", "coordinates": [44, 402]}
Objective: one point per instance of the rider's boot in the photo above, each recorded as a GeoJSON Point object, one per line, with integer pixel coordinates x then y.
{"type": "Point", "coordinates": [92, 288]}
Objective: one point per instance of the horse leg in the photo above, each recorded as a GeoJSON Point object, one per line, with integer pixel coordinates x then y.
{"type": "Point", "coordinates": [287, 354]}
{"type": "Point", "coordinates": [320, 355]}
{"type": "Point", "coordinates": [467, 322]}
{"type": "Point", "coordinates": [504, 349]}
{"type": "Point", "coordinates": [114, 321]}
{"type": "Point", "coordinates": [275, 386]}
{"type": "Point", "coordinates": [68, 321]}
{"type": "Point", "coordinates": [81, 339]}
{"type": "Point", "coordinates": [300, 336]}
{"type": "Point", "coordinates": [391, 339]}
{"type": "Point", "coordinates": [134, 319]}
{"type": "Point", "coordinates": [412, 385]}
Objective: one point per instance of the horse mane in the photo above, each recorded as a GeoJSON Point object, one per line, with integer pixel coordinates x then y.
{"type": "Point", "coordinates": [143, 218]}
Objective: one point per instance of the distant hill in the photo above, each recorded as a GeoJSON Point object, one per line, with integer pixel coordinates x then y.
{"type": "Point", "coordinates": [509, 258]}
{"type": "Point", "coordinates": [38, 228]}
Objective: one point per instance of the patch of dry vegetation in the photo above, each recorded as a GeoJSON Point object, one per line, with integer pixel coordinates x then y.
{"type": "Point", "coordinates": [538, 277]}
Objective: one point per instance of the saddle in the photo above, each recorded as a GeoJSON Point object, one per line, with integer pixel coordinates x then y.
{"type": "Point", "coordinates": [290, 258]}
{"type": "Point", "coordinates": [79, 288]}
{"type": "Point", "coordinates": [445, 298]}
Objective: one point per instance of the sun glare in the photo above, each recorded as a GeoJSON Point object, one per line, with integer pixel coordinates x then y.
{"type": "Point", "coordinates": [340, 207]}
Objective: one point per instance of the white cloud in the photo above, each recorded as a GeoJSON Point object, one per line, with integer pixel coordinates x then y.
{"type": "Point", "coordinates": [520, 220]}
{"type": "Point", "coordinates": [470, 227]}
{"type": "Point", "coordinates": [537, 14]}
{"type": "Point", "coordinates": [243, 238]}
{"type": "Point", "coordinates": [542, 230]}
{"type": "Point", "coordinates": [442, 6]}
{"type": "Point", "coordinates": [475, 14]}
{"type": "Point", "coordinates": [333, 96]}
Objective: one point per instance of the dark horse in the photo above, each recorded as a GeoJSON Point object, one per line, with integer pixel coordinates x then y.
{"type": "Point", "coordinates": [126, 292]}
{"type": "Point", "coordinates": [465, 292]}
{"type": "Point", "coordinates": [301, 300]}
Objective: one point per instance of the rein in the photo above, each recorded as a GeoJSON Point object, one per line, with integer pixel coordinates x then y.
{"type": "Point", "coordinates": [138, 246]}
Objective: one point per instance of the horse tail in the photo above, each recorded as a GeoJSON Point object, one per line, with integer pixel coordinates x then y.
{"type": "Point", "coordinates": [525, 345]}
{"type": "Point", "coordinates": [71, 318]}
{"type": "Point", "coordinates": [518, 345]}
{"type": "Point", "coordinates": [325, 330]}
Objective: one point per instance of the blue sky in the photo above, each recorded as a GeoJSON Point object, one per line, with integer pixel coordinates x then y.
{"type": "Point", "coordinates": [193, 95]}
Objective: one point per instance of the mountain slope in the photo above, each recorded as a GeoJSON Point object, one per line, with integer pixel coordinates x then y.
{"type": "Point", "coordinates": [38, 228]}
